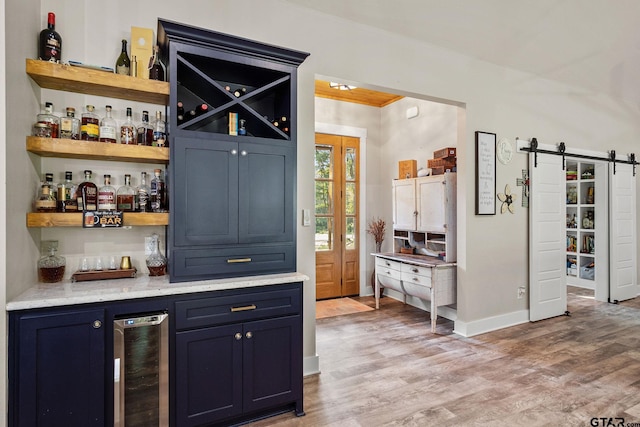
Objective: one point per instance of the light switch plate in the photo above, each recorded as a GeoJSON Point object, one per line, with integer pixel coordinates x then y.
{"type": "Point", "coordinates": [306, 218]}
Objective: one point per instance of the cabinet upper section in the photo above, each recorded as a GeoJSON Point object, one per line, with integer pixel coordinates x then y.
{"type": "Point", "coordinates": [228, 85]}
{"type": "Point", "coordinates": [93, 82]}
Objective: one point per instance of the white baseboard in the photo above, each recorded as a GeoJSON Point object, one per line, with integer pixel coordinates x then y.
{"type": "Point", "coordinates": [477, 327]}
{"type": "Point", "coordinates": [311, 365]}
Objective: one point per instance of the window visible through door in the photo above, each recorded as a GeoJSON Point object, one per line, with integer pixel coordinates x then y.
{"type": "Point", "coordinates": [337, 216]}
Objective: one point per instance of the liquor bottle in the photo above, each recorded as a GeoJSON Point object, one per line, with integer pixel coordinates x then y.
{"type": "Point", "coordinates": [87, 194]}
{"type": "Point", "coordinates": [48, 180]}
{"type": "Point", "coordinates": [123, 64]}
{"type": "Point", "coordinates": [108, 127]}
{"type": "Point", "coordinates": [156, 68]}
{"type": "Point", "coordinates": [156, 196]}
{"type": "Point", "coordinates": [128, 132]}
{"type": "Point", "coordinates": [66, 200]}
{"type": "Point", "coordinates": [145, 131]}
{"type": "Point", "coordinates": [90, 128]}
{"type": "Point", "coordinates": [107, 195]}
{"type": "Point", "coordinates": [180, 112]}
{"type": "Point", "coordinates": [126, 195]}
{"type": "Point", "coordinates": [142, 194]}
{"type": "Point", "coordinates": [50, 45]}
{"type": "Point", "coordinates": [46, 199]}
{"type": "Point", "coordinates": [159, 135]}
{"type": "Point", "coordinates": [51, 119]}
{"type": "Point", "coordinates": [70, 125]}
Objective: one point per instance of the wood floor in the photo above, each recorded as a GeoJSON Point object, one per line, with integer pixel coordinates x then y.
{"type": "Point", "coordinates": [384, 368]}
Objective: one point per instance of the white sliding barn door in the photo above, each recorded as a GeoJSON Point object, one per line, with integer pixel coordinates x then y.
{"type": "Point", "coordinates": [622, 234]}
{"type": "Point", "coordinates": [547, 224]}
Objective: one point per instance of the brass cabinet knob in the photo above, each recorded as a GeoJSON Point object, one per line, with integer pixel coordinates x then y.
{"type": "Point", "coordinates": [249, 335]}
{"type": "Point", "coordinates": [97, 324]}
{"type": "Point", "coordinates": [238, 336]}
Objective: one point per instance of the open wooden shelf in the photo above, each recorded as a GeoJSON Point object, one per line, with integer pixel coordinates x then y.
{"type": "Point", "coordinates": [73, 149]}
{"type": "Point", "coordinates": [40, 219]}
{"type": "Point", "coordinates": [50, 75]}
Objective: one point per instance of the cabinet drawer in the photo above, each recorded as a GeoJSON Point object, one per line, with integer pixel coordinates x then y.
{"type": "Point", "coordinates": [193, 264]}
{"type": "Point", "coordinates": [210, 311]}
{"type": "Point", "coordinates": [382, 263]}
{"type": "Point", "coordinates": [416, 270]}
{"type": "Point", "coordinates": [416, 279]}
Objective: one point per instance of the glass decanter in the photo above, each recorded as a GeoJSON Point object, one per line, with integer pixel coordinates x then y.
{"type": "Point", "coordinates": [156, 262]}
{"type": "Point", "coordinates": [50, 266]}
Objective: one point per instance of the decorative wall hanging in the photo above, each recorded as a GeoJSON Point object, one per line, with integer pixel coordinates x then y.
{"type": "Point", "coordinates": [507, 200]}
{"type": "Point", "coordinates": [524, 183]}
{"type": "Point", "coordinates": [485, 173]}
{"type": "Point", "coordinates": [505, 151]}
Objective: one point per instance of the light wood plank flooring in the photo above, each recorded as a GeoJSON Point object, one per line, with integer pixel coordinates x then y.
{"type": "Point", "coordinates": [384, 368]}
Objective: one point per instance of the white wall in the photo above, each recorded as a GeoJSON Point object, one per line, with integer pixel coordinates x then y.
{"type": "Point", "coordinates": [492, 256]}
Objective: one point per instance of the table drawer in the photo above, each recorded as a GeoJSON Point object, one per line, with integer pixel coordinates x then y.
{"type": "Point", "coordinates": [416, 270]}
{"type": "Point", "coordinates": [388, 272]}
{"type": "Point", "coordinates": [382, 263]}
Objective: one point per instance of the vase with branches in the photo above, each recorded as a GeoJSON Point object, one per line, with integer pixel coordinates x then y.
{"type": "Point", "coordinates": [377, 229]}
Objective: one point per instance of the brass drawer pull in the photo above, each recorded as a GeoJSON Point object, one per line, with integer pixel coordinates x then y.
{"type": "Point", "coordinates": [415, 270]}
{"type": "Point", "coordinates": [233, 261]}
{"type": "Point", "coordinates": [243, 308]}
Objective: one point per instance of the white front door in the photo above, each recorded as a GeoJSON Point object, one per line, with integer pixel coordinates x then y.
{"type": "Point", "coordinates": [547, 260]}
{"type": "Point", "coordinates": [622, 246]}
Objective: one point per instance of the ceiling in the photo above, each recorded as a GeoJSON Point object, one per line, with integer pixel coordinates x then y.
{"type": "Point", "coordinates": [358, 95]}
{"type": "Point", "coordinates": [591, 44]}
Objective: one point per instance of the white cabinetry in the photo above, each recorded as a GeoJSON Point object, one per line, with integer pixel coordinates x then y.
{"type": "Point", "coordinates": [424, 215]}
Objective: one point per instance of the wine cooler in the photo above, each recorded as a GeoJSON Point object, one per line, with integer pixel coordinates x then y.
{"type": "Point", "coordinates": [141, 371]}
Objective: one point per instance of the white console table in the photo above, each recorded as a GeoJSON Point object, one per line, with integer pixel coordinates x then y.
{"type": "Point", "coordinates": [417, 275]}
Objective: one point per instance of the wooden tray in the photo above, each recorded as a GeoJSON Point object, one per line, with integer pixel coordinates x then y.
{"type": "Point", "coordinates": [82, 276]}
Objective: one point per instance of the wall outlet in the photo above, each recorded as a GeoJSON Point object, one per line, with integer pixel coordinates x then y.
{"type": "Point", "coordinates": [521, 292]}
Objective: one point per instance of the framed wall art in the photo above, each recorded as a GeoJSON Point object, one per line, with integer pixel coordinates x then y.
{"type": "Point", "coordinates": [485, 173]}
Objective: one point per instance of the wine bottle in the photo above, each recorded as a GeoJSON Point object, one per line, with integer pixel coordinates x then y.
{"type": "Point", "coordinates": [156, 70]}
{"type": "Point", "coordinates": [201, 109]}
{"type": "Point", "coordinates": [180, 112]}
{"type": "Point", "coordinates": [240, 92]}
{"type": "Point", "coordinates": [50, 45]}
{"type": "Point", "coordinates": [123, 64]}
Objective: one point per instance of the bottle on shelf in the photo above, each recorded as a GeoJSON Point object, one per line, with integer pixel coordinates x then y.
{"type": "Point", "coordinates": [128, 132]}
{"type": "Point", "coordinates": [70, 125]}
{"type": "Point", "coordinates": [159, 134]}
{"type": "Point", "coordinates": [157, 194]}
{"type": "Point", "coordinates": [66, 201]}
{"type": "Point", "coordinates": [50, 43]}
{"type": "Point", "coordinates": [46, 199]}
{"type": "Point", "coordinates": [87, 193]}
{"type": "Point", "coordinates": [240, 92]}
{"type": "Point", "coordinates": [242, 130]}
{"type": "Point", "coordinates": [107, 195]}
{"type": "Point", "coordinates": [51, 119]}
{"type": "Point", "coordinates": [108, 127]}
{"type": "Point", "coordinates": [123, 64]}
{"type": "Point", "coordinates": [142, 195]}
{"type": "Point", "coordinates": [134, 66]}
{"type": "Point", "coordinates": [50, 266]}
{"type": "Point", "coordinates": [90, 128]}
{"type": "Point", "coordinates": [125, 196]}
{"type": "Point", "coordinates": [156, 68]}
{"type": "Point", "coordinates": [145, 131]}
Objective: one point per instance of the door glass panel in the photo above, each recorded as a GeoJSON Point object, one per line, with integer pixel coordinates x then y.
{"type": "Point", "coordinates": [324, 197]}
{"type": "Point", "coordinates": [350, 164]}
{"type": "Point", "coordinates": [323, 160]}
{"type": "Point", "coordinates": [350, 238]}
{"type": "Point", "coordinates": [324, 234]}
{"type": "Point", "coordinates": [350, 198]}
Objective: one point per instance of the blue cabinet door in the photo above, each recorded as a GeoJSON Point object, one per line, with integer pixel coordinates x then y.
{"type": "Point", "coordinates": [59, 372]}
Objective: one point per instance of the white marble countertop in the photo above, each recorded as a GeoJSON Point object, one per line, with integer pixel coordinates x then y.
{"type": "Point", "coordinates": [69, 293]}
{"type": "Point", "coordinates": [424, 260]}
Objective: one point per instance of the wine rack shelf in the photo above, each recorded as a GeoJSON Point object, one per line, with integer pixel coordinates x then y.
{"type": "Point", "coordinates": [72, 149]}
{"type": "Point", "coordinates": [55, 219]}
{"type": "Point", "coordinates": [68, 78]}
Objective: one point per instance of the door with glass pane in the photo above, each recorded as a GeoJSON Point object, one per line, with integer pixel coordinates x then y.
{"type": "Point", "coordinates": [336, 210]}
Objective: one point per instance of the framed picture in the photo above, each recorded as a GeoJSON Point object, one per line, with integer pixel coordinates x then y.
{"type": "Point", "coordinates": [485, 173]}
